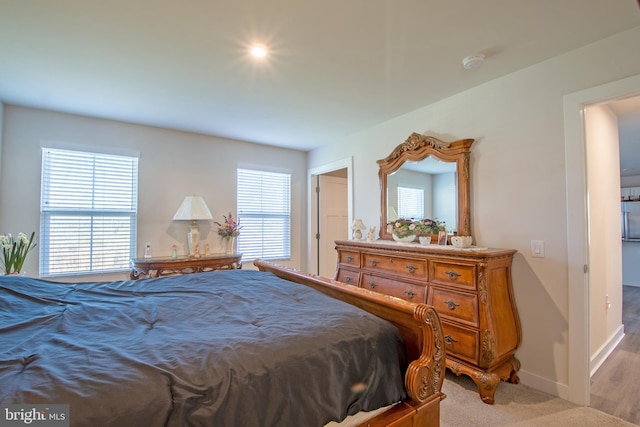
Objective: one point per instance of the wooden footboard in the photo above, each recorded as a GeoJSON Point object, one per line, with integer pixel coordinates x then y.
{"type": "Point", "coordinates": [420, 327]}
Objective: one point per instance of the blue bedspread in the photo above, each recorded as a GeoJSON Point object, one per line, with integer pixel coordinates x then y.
{"type": "Point", "coordinates": [225, 348]}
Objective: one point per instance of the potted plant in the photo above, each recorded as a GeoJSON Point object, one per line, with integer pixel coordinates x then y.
{"type": "Point", "coordinates": [15, 250]}
{"type": "Point", "coordinates": [428, 228]}
{"type": "Point", "coordinates": [229, 230]}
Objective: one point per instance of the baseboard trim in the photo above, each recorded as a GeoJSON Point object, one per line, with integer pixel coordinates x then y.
{"type": "Point", "coordinates": [562, 390]}
{"type": "Point", "coordinates": [544, 384]}
{"type": "Point", "coordinates": [605, 350]}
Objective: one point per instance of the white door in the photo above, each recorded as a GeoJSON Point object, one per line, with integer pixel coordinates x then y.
{"type": "Point", "coordinates": [333, 221]}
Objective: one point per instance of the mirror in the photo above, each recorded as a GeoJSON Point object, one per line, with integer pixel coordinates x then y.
{"type": "Point", "coordinates": [438, 171]}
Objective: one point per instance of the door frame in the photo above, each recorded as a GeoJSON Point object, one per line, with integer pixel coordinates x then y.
{"type": "Point", "coordinates": [346, 163]}
{"type": "Point", "coordinates": [578, 387]}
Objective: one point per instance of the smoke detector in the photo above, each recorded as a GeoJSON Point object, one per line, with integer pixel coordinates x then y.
{"type": "Point", "coordinates": [473, 61]}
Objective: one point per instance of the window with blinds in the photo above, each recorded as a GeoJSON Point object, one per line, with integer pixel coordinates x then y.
{"type": "Point", "coordinates": [264, 212]}
{"type": "Point", "coordinates": [88, 212]}
{"type": "Point", "coordinates": [410, 203]}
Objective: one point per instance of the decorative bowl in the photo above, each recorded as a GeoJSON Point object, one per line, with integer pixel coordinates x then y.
{"type": "Point", "coordinates": [406, 239]}
{"type": "Point", "coordinates": [425, 240]}
{"type": "Point", "coordinates": [461, 241]}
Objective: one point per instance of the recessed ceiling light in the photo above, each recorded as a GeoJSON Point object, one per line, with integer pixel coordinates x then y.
{"type": "Point", "coordinates": [258, 51]}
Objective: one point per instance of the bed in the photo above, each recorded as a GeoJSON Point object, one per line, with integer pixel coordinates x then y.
{"type": "Point", "coordinates": [266, 347]}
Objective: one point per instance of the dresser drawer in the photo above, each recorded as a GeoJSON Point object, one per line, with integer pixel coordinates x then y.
{"type": "Point", "coordinates": [458, 306]}
{"type": "Point", "coordinates": [405, 291]}
{"type": "Point", "coordinates": [349, 258]}
{"type": "Point", "coordinates": [452, 274]}
{"type": "Point", "coordinates": [406, 267]}
{"type": "Point", "coordinates": [350, 277]}
{"type": "Point", "coordinates": [460, 342]}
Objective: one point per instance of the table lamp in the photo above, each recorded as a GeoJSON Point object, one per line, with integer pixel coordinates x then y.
{"type": "Point", "coordinates": [193, 209]}
{"type": "Point", "coordinates": [357, 226]}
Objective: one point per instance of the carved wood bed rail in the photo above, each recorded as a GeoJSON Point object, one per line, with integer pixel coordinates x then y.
{"type": "Point", "coordinates": [421, 330]}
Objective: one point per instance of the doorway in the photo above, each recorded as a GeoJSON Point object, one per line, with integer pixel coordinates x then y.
{"type": "Point", "coordinates": [612, 389]}
{"type": "Point", "coordinates": [330, 207]}
{"type": "Point", "coordinates": [333, 218]}
{"type": "Point", "coordinates": [578, 245]}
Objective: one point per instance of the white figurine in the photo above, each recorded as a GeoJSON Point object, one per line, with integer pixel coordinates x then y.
{"type": "Point", "coordinates": [147, 251]}
{"type": "Point", "coordinates": [371, 234]}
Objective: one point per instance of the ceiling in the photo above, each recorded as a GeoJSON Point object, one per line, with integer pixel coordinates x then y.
{"type": "Point", "coordinates": [335, 67]}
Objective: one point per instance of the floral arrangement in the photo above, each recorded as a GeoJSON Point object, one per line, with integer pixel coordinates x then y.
{"type": "Point", "coordinates": [425, 227]}
{"type": "Point", "coordinates": [407, 227]}
{"type": "Point", "coordinates": [15, 250]}
{"type": "Point", "coordinates": [402, 227]}
{"type": "Point", "coordinates": [230, 227]}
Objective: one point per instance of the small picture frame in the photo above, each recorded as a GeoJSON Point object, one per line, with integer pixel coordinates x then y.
{"type": "Point", "coordinates": [442, 238]}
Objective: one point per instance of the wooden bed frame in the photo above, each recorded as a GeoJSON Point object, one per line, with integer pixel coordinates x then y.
{"type": "Point", "coordinates": [420, 327]}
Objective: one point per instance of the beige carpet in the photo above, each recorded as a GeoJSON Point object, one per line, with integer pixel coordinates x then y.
{"type": "Point", "coordinates": [515, 405]}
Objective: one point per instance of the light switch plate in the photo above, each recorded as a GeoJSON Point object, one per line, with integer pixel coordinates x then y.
{"type": "Point", "coordinates": [537, 248]}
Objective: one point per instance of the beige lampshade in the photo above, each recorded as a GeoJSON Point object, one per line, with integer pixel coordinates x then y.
{"type": "Point", "coordinates": [358, 225]}
{"type": "Point", "coordinates": [193, 208]}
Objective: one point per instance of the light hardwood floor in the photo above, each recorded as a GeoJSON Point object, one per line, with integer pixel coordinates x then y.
{"type": "Point", "coordinates": [615, 387]}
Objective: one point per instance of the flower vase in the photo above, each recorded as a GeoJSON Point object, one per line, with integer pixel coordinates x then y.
{"type": "Point", "coordinates": [230, 243]}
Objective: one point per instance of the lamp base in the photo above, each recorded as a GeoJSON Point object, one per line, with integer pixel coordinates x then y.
{"type": "Point", "coordinates": [193, 239]}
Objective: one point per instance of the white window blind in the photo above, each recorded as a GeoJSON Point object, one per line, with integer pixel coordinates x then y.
{"type": "Point", "coordinates": [410, 203]}
{"type": "Point", "coordinates": [88, 212]}
{"type": "Point", "coordinates": [264, 212]}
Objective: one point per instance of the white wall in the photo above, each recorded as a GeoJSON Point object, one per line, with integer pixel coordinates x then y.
{"type": "Point", "coordinates": [605, 246]}
{"type": "Point", "coordinates": [519, 181]}
{"type": "Point", "coordinates": [172, 165]}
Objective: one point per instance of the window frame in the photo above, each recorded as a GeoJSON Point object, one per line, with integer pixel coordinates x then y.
{"type": "Point", "coordinates": [248, 216]}
{"type": "Point", "coordinates": [54, 206]}
{"type": "Point", "coordinates": [403, 196]}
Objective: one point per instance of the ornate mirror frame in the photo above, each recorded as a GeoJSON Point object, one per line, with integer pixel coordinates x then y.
{"type": "Point", "coordinates": [418, 147]}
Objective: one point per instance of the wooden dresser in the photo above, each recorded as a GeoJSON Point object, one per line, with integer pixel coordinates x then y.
{"type": "Point", "coordinates": [470, 289]}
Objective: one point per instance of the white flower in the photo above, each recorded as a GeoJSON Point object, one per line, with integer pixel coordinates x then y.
{"type": "Point", "coordinates": [14, 251]}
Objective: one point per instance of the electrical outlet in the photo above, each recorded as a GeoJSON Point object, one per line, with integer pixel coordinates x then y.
{"type": "Point", "coordinates": [607, 302]}
{"type": "Point", "coordinates": [537, 248]}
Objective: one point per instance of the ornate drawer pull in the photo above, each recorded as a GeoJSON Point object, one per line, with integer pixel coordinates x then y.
{"type": "Point", "coordinates": [374, 262]}
{"type": "Point", "coordinates": [347, 279]}
{"type": "Point", "coordinates": [372, 284]}
{"type": "Point", "coordinates": [452, 274]}
{"type": "Point", "coordinates": [349, 258]}
{"type": "Point", "coordinates": [411, 268]}
{"type": "Point", "coordinates": [451, 304]}
{"type": "Point", "coordinates": [410, 294]}
{"type": "Point", "coordinates": [449, 339]}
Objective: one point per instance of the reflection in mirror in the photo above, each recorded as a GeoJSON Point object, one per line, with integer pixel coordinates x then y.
{"type": "Point", "coordinates": [425, 177]}
{"type": "Point", "coordinates": [424, 189]}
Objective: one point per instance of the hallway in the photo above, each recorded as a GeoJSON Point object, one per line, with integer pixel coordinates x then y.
{"type": "Point", "coordinates": [615, 387]}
